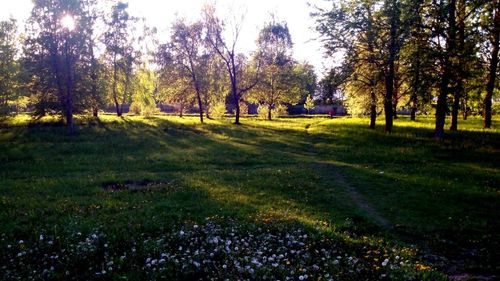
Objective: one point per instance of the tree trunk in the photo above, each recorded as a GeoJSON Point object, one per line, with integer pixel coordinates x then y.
{"type": "Point", "coordinates": [389, 76]}
{"type": "Point", "coordinates": [95, 112]}
{"type": "Point", "coordinates": [236, 100]}
{"type": "Point", "coordinates": [200, 106]}
{"type": "Point", "coordinates": [389, 84]}
{"type": "Point", "coordinates": [373, 109]}
{"type": "Point", "coordinates": [395, 96]}
{"type": "Point", "coordinates": [69, 88]}
{"type": "Point", "coordinates": [465, 111]}
{"type": "Point", "coordinates": [394, 109]}
{"type": "Point", "coordinates": [493, 67]}
{"type": "Point", "coordinates": [115, 91]}
{"type": "Point", "coordinates": [460, 66]}
{"type": "Point", "coordinates": [269, 113]}
{"type": "Point", "coordinates": [454, 112]}
{"type": "Point", "coordinates": [414, 102]}
{"type": "Point", "coordinates": [125, 91]}
{"type": "Point", "coordinates": [413, 113]}
{"type": "Point", "coordinates": [237, 120]}
{"type": "Point", "coordinates": [446, 76]}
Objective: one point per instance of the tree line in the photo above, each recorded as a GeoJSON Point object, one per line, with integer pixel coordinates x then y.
{"type": "Point", "coordinates": [425, 55]}
{"type": "Point", "coordinates": [428, 56]}
{"type": "Point", "coordinates": [81, 56]}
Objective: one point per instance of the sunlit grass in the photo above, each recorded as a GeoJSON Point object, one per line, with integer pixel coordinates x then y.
{"type": "Point", "coordinates": [298, 170]}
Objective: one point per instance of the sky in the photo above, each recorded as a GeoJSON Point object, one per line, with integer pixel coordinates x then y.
{"type": "Point", "coordinates": [161, 13]}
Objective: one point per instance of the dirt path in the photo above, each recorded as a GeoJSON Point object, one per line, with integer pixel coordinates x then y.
{"type": "Point", "coordinates": [336, 176]}
{"type": "Point", "coordinates": [333, 172]}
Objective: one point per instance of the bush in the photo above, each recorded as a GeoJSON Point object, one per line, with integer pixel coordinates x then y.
{"type": "Point", "coordinates": [218, 109]}
{"type": "Point", "coordinates": [279, 110]}
{"type": "Point", "coordinates": [144, 109]}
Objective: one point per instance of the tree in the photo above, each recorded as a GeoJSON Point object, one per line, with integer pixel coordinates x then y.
{"type": "Point", "coordinates": [9, 66]}
{"type": "Point", "coordinates": [186, 52]}
{"type": "Point", "coordinates": [392, 14]}
{"type": "Point", "coordinates": [494, 35]}
{"type": "Point", "coordinates": [330, 86]}
{"type": "Point", "coordinates": [95, 81]}
{"type": "Point", "coordinates": [54, 51]}
{"type": "Point", "coordinates": [276, 84]}
{"type": "Point", "coordinates": [226, 50]}
{"type": "Point", "coordinates": [143, 85]}
{"type": "Point", "coordinates": [353, 28]}
{"type": "Point", "coordinates": [309, 104]}
{"type": "Point", "coordinates": [120, 53]}
{"type": "Point", "coordinates": [174, 86]}
{"type": "Point", "coordinates": [215, 94]}
{"type": "Point", "coordinates": [418, 61]}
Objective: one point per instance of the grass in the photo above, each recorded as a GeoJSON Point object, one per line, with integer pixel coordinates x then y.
{"type": "Point", "coordinates": [333, 177]}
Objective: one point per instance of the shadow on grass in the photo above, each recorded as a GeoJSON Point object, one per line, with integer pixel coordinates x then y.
{"type": "Point", "coordinates": [255, 172]}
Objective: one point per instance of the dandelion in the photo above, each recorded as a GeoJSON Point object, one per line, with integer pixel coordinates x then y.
{"type": "Point", "coordinates": [385, 262]}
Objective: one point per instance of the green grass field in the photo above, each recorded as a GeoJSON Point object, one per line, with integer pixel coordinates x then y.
{"type": "Point", "coordinates": [402, 206]}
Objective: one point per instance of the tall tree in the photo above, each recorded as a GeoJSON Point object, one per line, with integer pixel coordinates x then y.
{"type": "Point", "coordinates": [121, 54]}
{"type": "Point", "coordinates": [186, 51]}
{"type": "Point", "coordinates": [9, 66]}
{"type": "Point", "coordinates": [54, 51]}
{"type": "Point", "coordinates": [449, 33]}
{"type": "Point", "coordinates": [226, 49]}
{"type": "Point", "coordinates": [393, 20]}
{"type": "Point", "coordinates": [418, 59]}
{"type": "Point", "coordinates": [494, 35]}
{"type": "Point", "coordinates": [354, 29]}
{"type": "Point", "coordinates": [275, 54]}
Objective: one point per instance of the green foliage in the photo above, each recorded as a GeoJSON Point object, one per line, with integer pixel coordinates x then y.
{"type": "Point", "coordinates": [121, 54]}
{"type": "Point", "coordinates": [218, 109]}
{"type": "Point", "coordinates": [393, 42]}
{"type": "Point", "coordinates": [144, 87]}
{"type": "Point", "coordinates": [282, 80]}
{"type": "Point", "coordinates": [309, 104]}
{"type": "Point", "coordinates": [9, 66]}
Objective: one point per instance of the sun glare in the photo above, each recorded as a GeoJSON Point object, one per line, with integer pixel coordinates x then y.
{"type": "Point", "coordinates": [68, 22]}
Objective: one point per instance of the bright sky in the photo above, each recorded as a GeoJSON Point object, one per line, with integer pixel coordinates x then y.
{"type": "Point", "coordinates": [161, 13]}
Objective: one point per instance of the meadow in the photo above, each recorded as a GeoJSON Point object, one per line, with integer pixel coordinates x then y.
{"type": "Point", "coordinates": [316, 198]}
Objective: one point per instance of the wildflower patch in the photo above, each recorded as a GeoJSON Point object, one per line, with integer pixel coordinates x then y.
{"type": "Point", "coordinates": [210, 251]}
